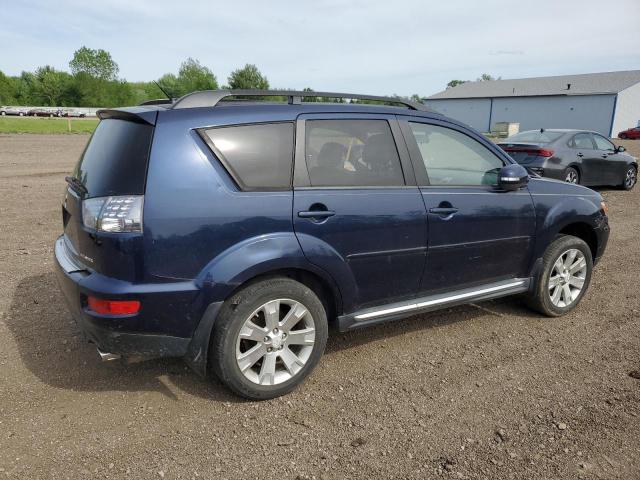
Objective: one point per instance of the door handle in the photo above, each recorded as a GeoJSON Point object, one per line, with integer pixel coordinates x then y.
{"type": "Point", "coordinates": [580, 155]}
{"type": "Point", "coordinates": [605, 155]}
{"type": "Point", "coordinates": [443, 210]}
{"type": "Point", "coordinates": [316, 214]}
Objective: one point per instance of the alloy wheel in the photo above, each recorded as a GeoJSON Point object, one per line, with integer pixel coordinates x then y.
{"type": "Point", "coordinates": [630, 178]}
{"type": "Point", "coordinates": [567, 278]}
{"type": "Point", "coordinates": [275, 342]}
{"type": "Point", "coordinates": [572, 176]}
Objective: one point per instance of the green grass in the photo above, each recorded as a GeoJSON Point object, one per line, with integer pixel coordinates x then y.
{"type": "Point", "coordinates": [47, 125]}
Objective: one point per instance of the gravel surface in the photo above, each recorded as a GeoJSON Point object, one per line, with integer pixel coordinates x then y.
{"type": "Point", "coordinates": [481, 391]}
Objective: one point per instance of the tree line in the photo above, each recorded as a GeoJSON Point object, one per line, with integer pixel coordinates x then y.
{"type": "Point", "coordinates": [92, 81]}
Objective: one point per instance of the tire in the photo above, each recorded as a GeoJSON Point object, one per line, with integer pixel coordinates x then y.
{"type": "Point", "coordinates": [630, 178]}
{"type": "Point", "coordinates": [269, 340]}
{"type": "Point", "coordinates": [622, 136]}
{"type": "Point", "coordinates": [569, 250]}
{"type": "Point", "coordinates": [571, 175]}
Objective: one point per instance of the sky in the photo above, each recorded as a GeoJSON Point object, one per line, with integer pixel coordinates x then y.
{"type": "Point", "coordinates": [372, 47]}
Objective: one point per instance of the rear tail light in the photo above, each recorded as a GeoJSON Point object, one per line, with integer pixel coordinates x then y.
{"type": "Point", "coordinates": [113, 307]}
{"type": "Point", "coordinates": [113, 214]}
{"type": "Point", "coordinates": [535, 152]}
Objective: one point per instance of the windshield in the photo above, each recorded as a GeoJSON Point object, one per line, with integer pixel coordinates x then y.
{"type": "Point", "coordinates": [534, 136]}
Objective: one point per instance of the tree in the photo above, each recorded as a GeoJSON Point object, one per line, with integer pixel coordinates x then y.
{"type": "Point", "coordinates": [8, 90]}
{"type": "Point", "coordinates": [455, 83]}
{"type": "Point", "coordinates": [192, 77]}
{"type": "Point", "coordinates": [96, 63]}
{"type": "Point", "coordinates": [248, 77]}
{"type": "Point", "coordinates": [485, 77]}
{"type": "Point", "coordinates": [50, 86]}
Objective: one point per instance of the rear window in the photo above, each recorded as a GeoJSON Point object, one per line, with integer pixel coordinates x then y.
{"type": "Point", "coordinates": [115, 160]}
{"type": "Point", "coordinates": [258, 157]}
{"type": "Point", "coordinates": [534, 136]}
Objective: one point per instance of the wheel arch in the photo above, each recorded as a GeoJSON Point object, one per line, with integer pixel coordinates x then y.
{"type": "Point", "coordinates": [583, 231]}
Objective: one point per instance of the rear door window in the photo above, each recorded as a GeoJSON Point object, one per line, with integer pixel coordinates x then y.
{"type": "Point", "coordinates": [115, 159]}
{"type": "Point", "coordinates": [258, 156]}
{"type": "Point", "coordinates": [352, 153]}
{"type": "Point", "coordinates": [582, 140]}
{"type": "Point", "coordinates": [452, 158]}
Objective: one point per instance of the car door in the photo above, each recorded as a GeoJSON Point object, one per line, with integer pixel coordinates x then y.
{"type": "Point", "coordinates": [477, 234]}
{"type": "Point", "coordinates": [612, 166]}
{"type": "Point", "coordinates": [587, 157]}
{"type": "Point", "coordinates": [357, 211]}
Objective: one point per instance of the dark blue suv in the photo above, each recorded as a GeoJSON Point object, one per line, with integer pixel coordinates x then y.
{"type": "Point", "coordinates": [230, 229]}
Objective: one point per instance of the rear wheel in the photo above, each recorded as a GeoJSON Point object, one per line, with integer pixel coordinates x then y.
{"type": "Point", "coordinates": [565, 277]}
{"type": "Point", "coordinates": [622, 136]}
{"type": "Point", "coordinates": [630, 178]}
{"type": "Point", "coordinates": [268, 338]}
{"type": "Point", "coordinates": [571, 175]}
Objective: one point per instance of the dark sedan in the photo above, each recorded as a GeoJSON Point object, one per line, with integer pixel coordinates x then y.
{"type": "Point", "coordinates": [575, 156]}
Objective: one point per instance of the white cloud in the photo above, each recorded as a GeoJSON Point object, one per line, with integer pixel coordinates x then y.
{"type": "Point", "coordinates": [378, 47]}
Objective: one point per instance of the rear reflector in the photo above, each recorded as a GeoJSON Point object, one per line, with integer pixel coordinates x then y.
{"type": "Point", "coordinates": [535, 152]}
{"type": "Point", "coordinates": [113, 307]}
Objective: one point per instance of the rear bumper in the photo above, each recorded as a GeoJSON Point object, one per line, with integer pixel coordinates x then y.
{"type": "Point", "coordinates": [164, 326]}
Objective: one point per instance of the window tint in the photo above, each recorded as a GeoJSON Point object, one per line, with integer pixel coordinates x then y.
{"type": "Point", "coordinates": [344, 153]}
{"type": "Point", "coordinates": [582, 140]}
{"type": "Point", "coordinates": [453, 158]}
{"type": "Point", "coordinates": [115, 160]}
{"type": "Point", "coordinates": [256, 156]}
{"type": "Point", "coordinates": [534, 136]}
{"type": "Point", "coordinates": [602, 143]}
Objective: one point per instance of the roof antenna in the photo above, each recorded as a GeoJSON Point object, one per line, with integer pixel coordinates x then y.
{"type": "Point", "coordinates": [163, 90]}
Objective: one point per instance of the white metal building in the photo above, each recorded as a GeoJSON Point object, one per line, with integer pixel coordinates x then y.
{"type": "Point", "coordinates": [603, 102]}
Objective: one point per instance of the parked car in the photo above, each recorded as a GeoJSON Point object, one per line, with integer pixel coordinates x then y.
{"type": "Point", "coordinates": [630, 133]}
{"type": "Point", "coordinates": [575, 156]}
{"type": "Point", "coordinates": [70, 112]}
{"type": "Point", "coordinates": [45, 112]}
{"type": "Point", "coordinates": [232, 233]}
{"type": "Point", "coordinates": [12, 111]}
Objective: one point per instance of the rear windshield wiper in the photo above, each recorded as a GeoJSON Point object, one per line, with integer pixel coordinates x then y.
{"type": "Point", "coordinates": [77, 185]}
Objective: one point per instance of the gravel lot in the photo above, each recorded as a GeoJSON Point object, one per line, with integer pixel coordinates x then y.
{"type": "Point", "coordinates": [484, 391]}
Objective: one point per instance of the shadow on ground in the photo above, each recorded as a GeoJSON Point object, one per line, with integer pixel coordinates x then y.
{"type": "Point", "coordinates": [53, 349]}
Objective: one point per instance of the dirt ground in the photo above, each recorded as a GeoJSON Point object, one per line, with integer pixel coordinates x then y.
{"type": "Point", "coordinates": [486, 391]}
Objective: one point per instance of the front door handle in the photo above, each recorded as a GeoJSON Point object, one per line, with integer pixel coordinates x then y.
{"type": "Point", "coordinates": [443, 210]}
{"type": "Point", "coordinates": [604, 155]}
{"type": "Point", "coordinates": [580, 155]}
{"type": "Point", "coordinates": [316, 214]}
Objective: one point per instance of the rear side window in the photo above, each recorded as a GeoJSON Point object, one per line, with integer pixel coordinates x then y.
{"type": "Point", "coordinates": [453, 158]}
{"type": "Point", "coordinates": [582, 140]}
{"type": "Point", "coordinates": [351, 153]}
{"type": "Point", "coordinates": [258, 157]}
{"type": "Point", "coordinates": [115, 160]}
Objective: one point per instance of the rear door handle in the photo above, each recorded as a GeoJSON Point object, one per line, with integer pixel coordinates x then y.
{"type": "Point", "coordinates": [580, 155]}
{"type": "Point", "coordinates": [316, 214]}
{"type": "Point", "coordinates": [604, 155]}
{"type": "Point", "coordinates": [443, 210]}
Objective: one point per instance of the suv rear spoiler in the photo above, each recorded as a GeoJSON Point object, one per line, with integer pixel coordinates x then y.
{"type": "Point", "coordinates": [146, 114]}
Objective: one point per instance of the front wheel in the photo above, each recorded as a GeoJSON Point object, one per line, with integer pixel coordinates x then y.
{"type": "Point", "coordinates": [571, 175]}
{"type": "Point", "coordinates": [268, 337]}
{"type": "Point", "coordinates": [564, 278]}
{"type": "Point", "coordinates": [630, 178]}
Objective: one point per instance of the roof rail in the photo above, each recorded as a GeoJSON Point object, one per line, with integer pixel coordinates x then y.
{"type": "Point", "coordinates": [210, 98]}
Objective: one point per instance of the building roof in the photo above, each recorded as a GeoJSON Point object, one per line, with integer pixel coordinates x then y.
{"type": "Point", "coordinates": [585, 84]}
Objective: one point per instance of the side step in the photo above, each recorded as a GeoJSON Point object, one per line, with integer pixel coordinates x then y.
{"type": "Point", "coordinates": [396, 311]}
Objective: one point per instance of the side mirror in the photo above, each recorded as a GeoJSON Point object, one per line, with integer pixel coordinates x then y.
{"type": "Point", "coordinates": [620, 149]}
{"type": "Point", "coordinates": [512, 177]}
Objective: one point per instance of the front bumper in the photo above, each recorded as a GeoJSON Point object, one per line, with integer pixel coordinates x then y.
{"type": "Point", "coordinates": [164, 326]}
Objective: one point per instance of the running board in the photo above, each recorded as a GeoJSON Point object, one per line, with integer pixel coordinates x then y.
{"type": "Point", "coordinates": [396, 311]}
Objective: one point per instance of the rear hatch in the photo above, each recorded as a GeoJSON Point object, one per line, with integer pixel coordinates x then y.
{"type": "Point", "coordinates": [110, 175]}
